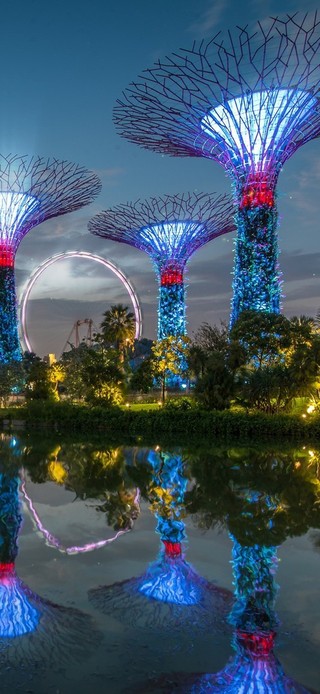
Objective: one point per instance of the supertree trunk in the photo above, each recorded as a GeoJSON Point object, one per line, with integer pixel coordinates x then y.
{"type": "Point", "coordinates": [171, 309]}
{"type": "Point", "coordinates": [9, 340]}
{"type": "Point", "coordinates": [256, 281]}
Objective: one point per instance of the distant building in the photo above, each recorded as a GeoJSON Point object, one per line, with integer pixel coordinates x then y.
{"type": "Point", "coordinates": [50, 359]}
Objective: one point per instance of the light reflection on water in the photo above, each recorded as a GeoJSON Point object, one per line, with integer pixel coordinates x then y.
{"type": "Point", "coordinates": [84, 492]}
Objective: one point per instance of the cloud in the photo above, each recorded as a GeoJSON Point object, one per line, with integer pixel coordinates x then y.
{"type": "Point", "coordinates": [210, 19]}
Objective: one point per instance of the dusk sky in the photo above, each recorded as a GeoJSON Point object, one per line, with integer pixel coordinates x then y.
{"type": "Point", "coordinates": [64, 64]}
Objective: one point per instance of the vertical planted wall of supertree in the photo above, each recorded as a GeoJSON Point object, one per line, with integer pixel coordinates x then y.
{"type": "Point", "coordinates": [247, 99]}
{"type": "Point", "coordinates": [169, 229]}
{"type": "Point", "coordinates": [32, 190]}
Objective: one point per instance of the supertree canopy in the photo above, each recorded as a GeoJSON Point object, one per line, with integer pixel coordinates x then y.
{"type": "Point", "coordinates": [247, 99]}
{"type": "Point", "coordinates": [170, 229]}
{"type": "Point", "coordinates": [32, 189]}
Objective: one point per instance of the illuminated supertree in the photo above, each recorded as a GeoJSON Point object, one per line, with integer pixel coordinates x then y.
{"type": "Point", "coordinates": [169, 229]}
{"type": "Point", "coordinates": [170, 593]}
{"type": "Point", "coordinates": [248, 100]}
{"type": "Point", "coordinates": [32, 189]}
{"type": "Point", "coordinates": [35, 633]}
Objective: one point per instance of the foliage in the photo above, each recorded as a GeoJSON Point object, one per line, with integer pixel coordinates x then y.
{"type": "Point", "coordinates": [211, 338]}
{"type": "Point", "coordinates": [215, 388]}
{"type": "Point", "coordinates": [93, 375]}
{"type": "Point", "coordinates": [169, 357]}
{"type": "Point", "coordinates": [142, 378]}
{"type": "Point", "coordinates": [38, 384]}
{"type": "Point", "coordinates": [261, 495]}
{"type": "Point", "coordinates": [11, 381]}
{"type": "Point", "coordinates": [117, 329]}
{"type": "Point", "coordinates": [265, 336]}
{"type": "Point", "coordinates": [282, 360]}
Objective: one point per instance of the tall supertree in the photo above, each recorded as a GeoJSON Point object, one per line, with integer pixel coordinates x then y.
{"type": "Point", "coordinates": [32, 189]}
{"type": "Point", "coordinates": [247, 99]}
{"type": "Point", "coordinates": [169, 229]}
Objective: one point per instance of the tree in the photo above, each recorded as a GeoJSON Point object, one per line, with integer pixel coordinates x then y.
{"type": "Point", "coordinates": [118, 329]}
{"type": "Point", "coordinates": [170, 358]}
{"type": "Point", "coordinates": [211, 338]}
{"type": "Point", "coordinates": [215, 388]}
{"type": "Point", "coordinates": [282, 358]}
{"type": "Point", "coordinates": [11, 380]}
{"type": "Point", "coordinates": [38, 385]}
{"type": "Point", "coordinates": [264, 337]}
{"type": "Point", "coordinates": [142, 378]}
{"type": "Point", "coordinates": [93, 375]}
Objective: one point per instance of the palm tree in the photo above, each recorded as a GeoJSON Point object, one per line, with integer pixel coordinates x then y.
{"type": "Point", "coordinates": [118, 328]}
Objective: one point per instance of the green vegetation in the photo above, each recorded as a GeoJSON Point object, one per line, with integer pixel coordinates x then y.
{"type": "Point", "coordinates": [259, 379]}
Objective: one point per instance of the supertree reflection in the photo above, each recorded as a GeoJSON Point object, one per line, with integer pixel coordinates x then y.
{"type": "Point", "coordinates": [254, 668]}
{"type": "Point", "coordinates": [34, 633]}
{"type": "Point", "coordinates": [177, 595]}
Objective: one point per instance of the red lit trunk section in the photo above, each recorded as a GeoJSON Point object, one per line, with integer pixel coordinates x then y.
{"type": "Point", "coordinates": [6, 255]}
{"type": "Point", "coordinates": [172, 549]}
{"type": "Point", "coordinates": [257, 193]}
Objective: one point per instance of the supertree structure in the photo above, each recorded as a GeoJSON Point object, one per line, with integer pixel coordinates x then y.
{"type": "Point", "coordinates": [170, 593]}
{"type": "Point", "coordinates": [32, 189]}
{"type": "Point", "coordinates": [169, 229]}
{"type": "Point", "coordinates": [247, 99]}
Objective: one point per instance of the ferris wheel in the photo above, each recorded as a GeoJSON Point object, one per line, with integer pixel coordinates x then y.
{"type": "Point", "coordinates": [23, 302]}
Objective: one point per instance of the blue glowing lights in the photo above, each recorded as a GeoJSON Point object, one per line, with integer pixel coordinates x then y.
{"type": "Point", "coordinates": [256, 125]}
{"type": "Point", "coordinates": [17, 615]}
{"type": "Point", "coordinates": [169, 229]}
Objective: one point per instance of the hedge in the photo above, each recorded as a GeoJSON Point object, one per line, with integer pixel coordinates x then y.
{"type": "Point", "coordinates": [65, 417]}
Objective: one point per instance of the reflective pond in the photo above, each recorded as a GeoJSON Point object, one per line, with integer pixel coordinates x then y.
{"type": "Point", "coordinates": [165, 568]}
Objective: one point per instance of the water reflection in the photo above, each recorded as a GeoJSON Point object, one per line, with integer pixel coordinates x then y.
{"type": "Point", "coordinates": [34, 632]}
{"type": "Point", "coordinates": [184, 596]}
{"type": "Point", "coordinates": [261, 500]}
{"type": "Point", "coordinates": [254, 667]}
{"type": "Point", "coordinates": [92, 473]}
{"type": "Point", "coordinates": [261, 497]}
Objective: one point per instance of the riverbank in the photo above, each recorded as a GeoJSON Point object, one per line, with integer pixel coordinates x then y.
{"type": "Point", "coordinates": [64, 417]}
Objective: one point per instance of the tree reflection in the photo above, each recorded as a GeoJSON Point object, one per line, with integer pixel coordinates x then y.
{"type": "Point", "coordinates": [95, 473]}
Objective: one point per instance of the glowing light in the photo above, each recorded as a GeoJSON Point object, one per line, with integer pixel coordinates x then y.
{"type": "Point", "coordinates": [254, 568]}
{"type": "Point", "coordinates": [15, 209]}
{"type": "Point", "coordinates": [169, 238]}
{"type": "Point", "coordinates": [172, 549]}
{"type": "Point", "coordinates": [247, 99]}
{"type": "Point", "coordinates": [259, 644]}
{"type": "Point", "coordinates": [256, 125]}
{"type": "Point", "coordinates": [76, 254]}
{"type": "Point", "coordinates": [171, 580]}
{"type": "Point", "coordinates": [169, 229]}
{"type": "Point", "coordinates": [31, 190]}
{"type": "Point", "coordinates": [171, 311]}
{"type": "Point", "coordinates": [17, 614]}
